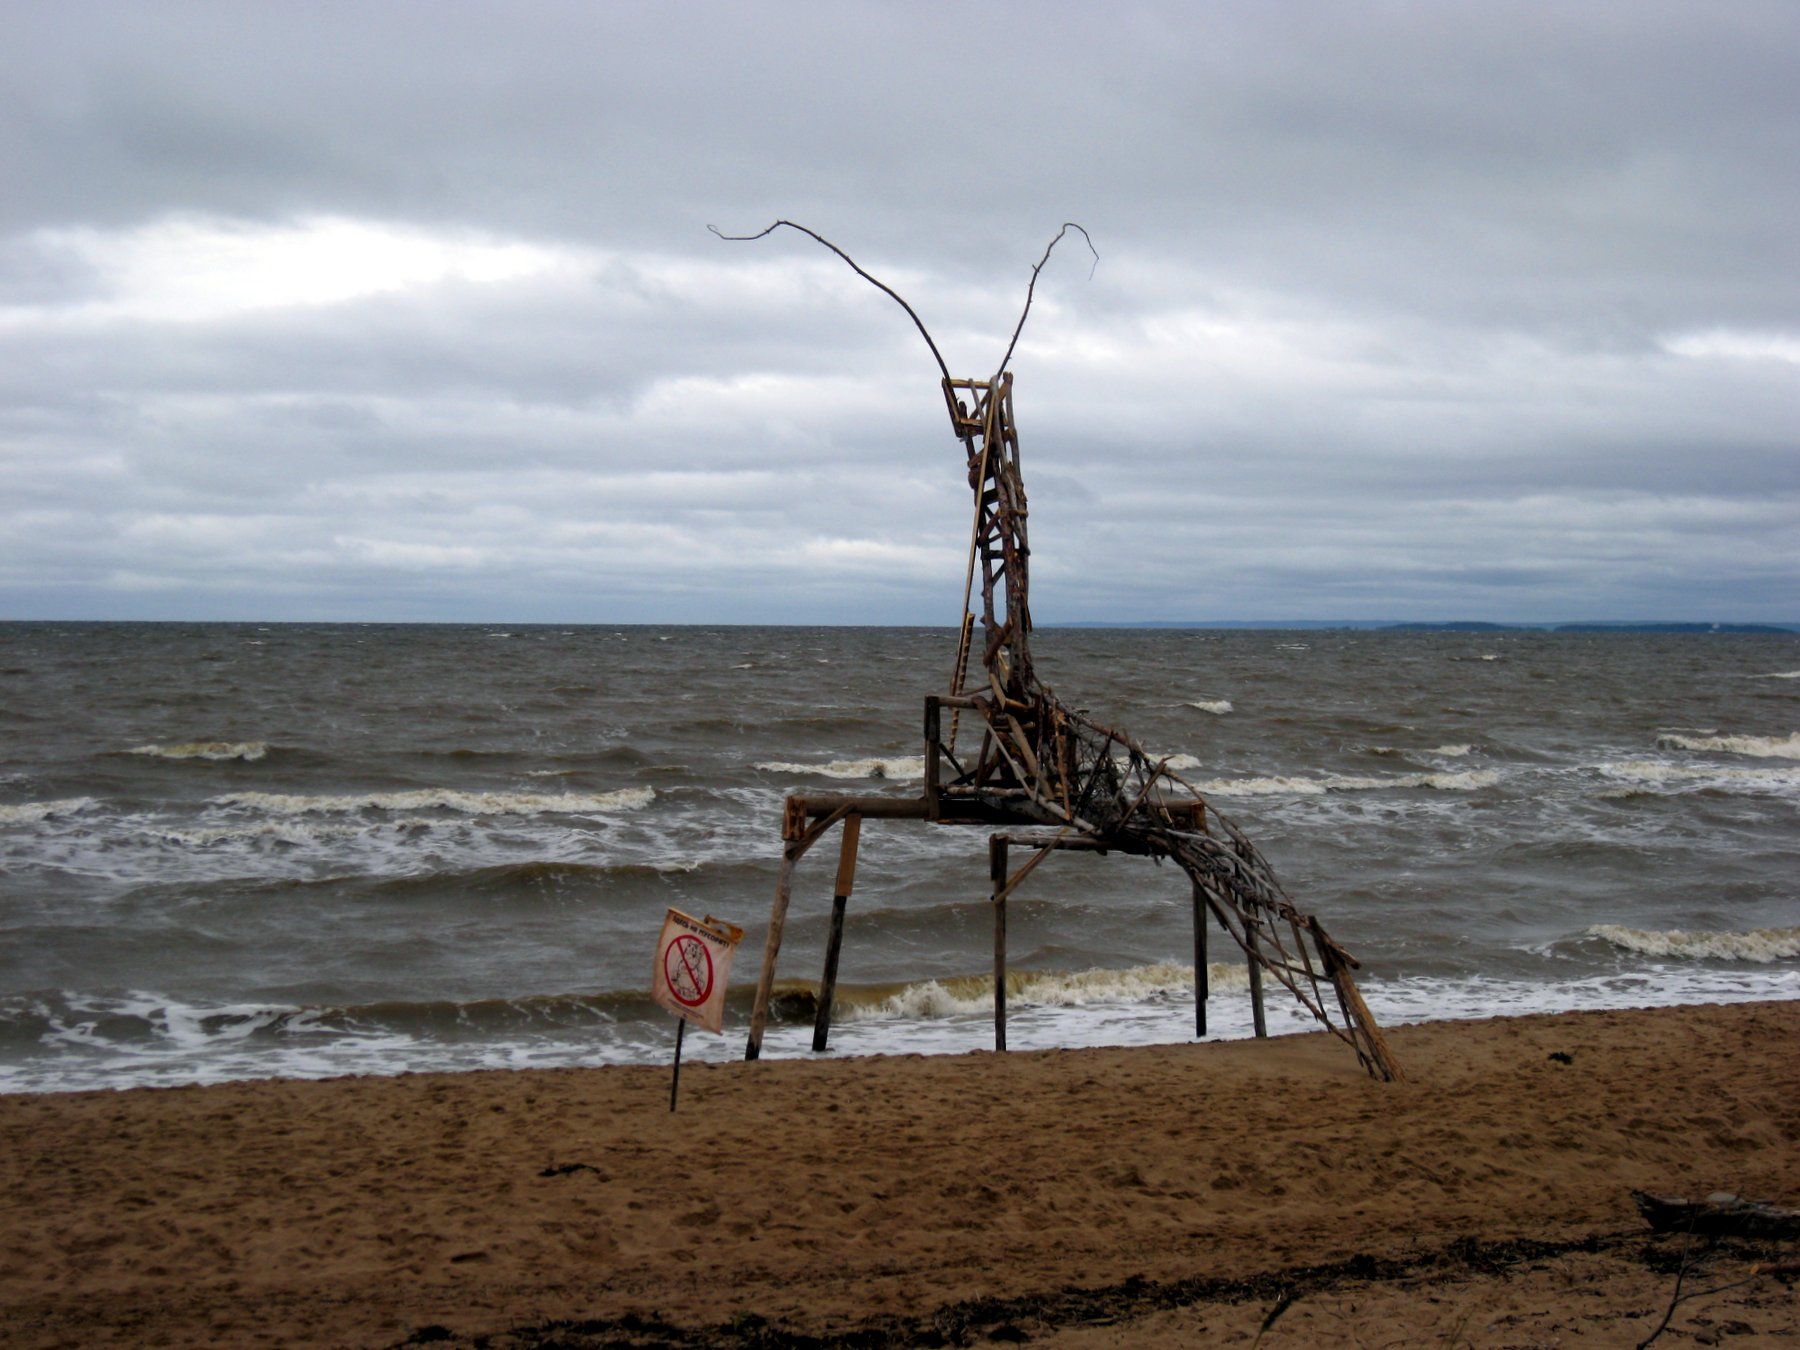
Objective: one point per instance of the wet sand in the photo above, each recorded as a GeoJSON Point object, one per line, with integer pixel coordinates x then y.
{"type": "Point", "coordinates": [1175, 1194]}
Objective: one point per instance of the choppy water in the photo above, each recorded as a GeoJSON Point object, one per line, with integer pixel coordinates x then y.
{"type": "Point", "coordinates": [233, 850]}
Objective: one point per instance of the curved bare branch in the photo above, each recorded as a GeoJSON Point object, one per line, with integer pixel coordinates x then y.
{"type": "Point", "coordinates": [1032, 288]}
{"type": "Point", "coordinates": [872, 280]}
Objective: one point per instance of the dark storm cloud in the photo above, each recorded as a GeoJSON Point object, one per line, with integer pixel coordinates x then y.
{"type": "Point", "coordinates": [408, 310]}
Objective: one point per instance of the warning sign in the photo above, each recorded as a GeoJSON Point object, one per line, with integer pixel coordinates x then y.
{"type": "Point", "coordinates": [693, 961]}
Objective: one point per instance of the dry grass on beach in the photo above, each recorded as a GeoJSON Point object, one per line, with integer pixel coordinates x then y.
{"type": "Point", "coordinates": [1178, 1195]}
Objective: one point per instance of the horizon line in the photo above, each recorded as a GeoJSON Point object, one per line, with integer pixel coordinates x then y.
{"type": "Point", "coordinates": [1160, 623]}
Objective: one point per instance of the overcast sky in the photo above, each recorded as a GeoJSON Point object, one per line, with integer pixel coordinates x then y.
{"type": "Point", "coordinates": [409, 311]}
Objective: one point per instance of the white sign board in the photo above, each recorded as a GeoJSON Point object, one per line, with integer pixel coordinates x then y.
{"type": "Point", "coordinates": [693, 961]}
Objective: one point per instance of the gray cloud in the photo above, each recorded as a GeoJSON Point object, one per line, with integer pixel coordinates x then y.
{"type": "Point", "coordinates": [408, 310]}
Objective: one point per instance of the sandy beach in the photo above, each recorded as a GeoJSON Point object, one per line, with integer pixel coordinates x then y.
{"type": "Point", "coordinates": [1176, 1194]}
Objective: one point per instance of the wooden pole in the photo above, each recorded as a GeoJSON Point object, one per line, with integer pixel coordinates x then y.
{"type": "Point", "coordinates": [997, 874]}
{"type": "Point", "coordinates": [1201, 990]}
{"type": "Point", "coordinates": [1256, 973]}
{"type": "Point", "coordinates": [933, 769]}
{"type": "Point", "coordinates": [675, 1077]}
{"type": "Point", "coordinates": [765, 982]}
{"type": "Point", "coordinates": [840, 899]}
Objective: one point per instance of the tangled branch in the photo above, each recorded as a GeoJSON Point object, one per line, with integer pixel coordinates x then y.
{"type": "Point", "coordinates": [874, 281]}
{"type": "Point", "coordinates": [1031, 289]}
{"type": "Point", "coordinates": [898, 299]}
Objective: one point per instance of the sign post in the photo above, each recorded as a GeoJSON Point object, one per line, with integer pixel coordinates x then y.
{"type": "Point", "coordinates": [693, 961]}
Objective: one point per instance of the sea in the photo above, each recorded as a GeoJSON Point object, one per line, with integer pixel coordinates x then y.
{"type": "Point", "coordinates": [233, 851]}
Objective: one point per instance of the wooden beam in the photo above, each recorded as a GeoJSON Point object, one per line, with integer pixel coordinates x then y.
{"type": "Point", "coordinates": [1201, 974]}
{"type": "Point", "coordinates": [834, 941]}
{"type": "Point", "coordinates": [872, 806]}
{"type": "Point", "coordinates": [997, 874]}
{"type": "Point", "coordinates": [1254, 952]}
{"type": "Point", "coordinates": [933, 751]}
{"type": "Point", "coordinates": [765, 981]}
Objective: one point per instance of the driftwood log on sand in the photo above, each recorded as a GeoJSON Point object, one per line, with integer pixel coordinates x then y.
{"type": "Point", "coordinates": [1719, 1215]}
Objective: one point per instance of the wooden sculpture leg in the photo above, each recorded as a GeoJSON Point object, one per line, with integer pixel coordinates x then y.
{"type": "Point", "coordinates": [1254, 952]}
{"type": "Point", "coordinates": [840, 899]}
{"type": "Point", "coordinates": [765, 982]}
{"type": "Point", "coordinates": [1202, 975]}
{"type": "Point", "coordinates": [1351, 997]}
{"type": "Point", "coordinates": [997, 873]}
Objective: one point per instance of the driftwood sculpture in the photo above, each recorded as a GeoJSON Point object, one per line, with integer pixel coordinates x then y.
{"type": "Point", "coordinates": [1002, 751]}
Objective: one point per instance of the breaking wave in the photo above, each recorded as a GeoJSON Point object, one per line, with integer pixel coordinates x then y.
{"type": "Point", "coordinates": [289, 831]}
{"type": "Point", "coordinates": [1465, 780]}
{"type": "Point", "coordinates": [444, 799]}
{"type": "Point", "coordinates": [29, 813]}
{"type": "Point", "coordinates": [904, 768]}
{"type": "Point", "coordinates": [213, 750]}
{"type": "Point", "coordinates": [1759, 944]}
{"type": "Point", "coordinates": [1779, 675]}
{"type": "Point", "coordinates": [1761, 747]}
{"type": "Point", "coordinates": [1218, 707]}
{"type": "Point", "coordinates": [1650, 776]}
{"type": "Point", "coordinates": [968, 995]}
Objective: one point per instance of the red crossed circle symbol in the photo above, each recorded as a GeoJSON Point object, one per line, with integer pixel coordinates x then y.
{"type": "Point", "coordinates": [688, 967]}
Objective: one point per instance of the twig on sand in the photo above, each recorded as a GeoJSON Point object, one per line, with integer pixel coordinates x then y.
{"type": "Point", "coordinates": [1692, 1259]}
{"type": "Point", "coordinates": [1282, 1304]}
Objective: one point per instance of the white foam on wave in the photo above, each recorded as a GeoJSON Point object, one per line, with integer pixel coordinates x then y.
{"type": "Point", "coordinates": [1218, 707]}
{"type": "Point", "coordinates": [176, 1025]}
{"type": "Point", "coordinates": [219, 1043]}
{"type": "Point", "coordinates": [1651, 776]}
{"type": "Point", "coordinates": [212, 750]}
{"type": "Point", "coordinates": [444, 799]}
{"type": "Point", "coordinates": [1760, 747]}
{"type": "Point", "coordinates": [973, 995]}
{"type": "Point", "coordinates": [289, 830]}
{"type": "Point", "coordinates": [1465, 780]}
{"type": "Point", "coordinates": [903, 768]}
{"type": "Point", "coordinates": [30, 813]}
{"type": "Point", "coordinates": [1758, 944]}
{"type": "Point", "coordinates": [1440, 751]}
{"type": "Point", "coordinates": [1779, 675]}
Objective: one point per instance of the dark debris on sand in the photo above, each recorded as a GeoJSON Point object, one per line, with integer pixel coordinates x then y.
{"type": "Point", "coordinates": [986, 1320]}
